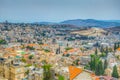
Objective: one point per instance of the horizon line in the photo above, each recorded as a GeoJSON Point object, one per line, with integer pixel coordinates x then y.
{"type": "Point", "coordinates": [13, 21]}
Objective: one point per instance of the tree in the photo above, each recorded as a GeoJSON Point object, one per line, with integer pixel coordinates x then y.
{"type": "Point", "coordinates": [96, 65]}
{"type": "Point", "coordinates": [27, 72]}
{"type": "Point", "coordinates": [110, 50]}
{"type": "Point", "coordinates": [93, 62]}
{"type": "Point", "coordinates": [2, 41]}
{"type": "Point", "coordinates": [99, 70]}
{"type": "Point", "coordinates": [96, 51]}
{"type": "Point", "coordinates": [103, 55]}
{"type": "Point", "coordinates": [87, 66]}
{"type": "Point", "coordinates": [76, 62]}
{"type": "Point", "coordinates": [31, 56]}
{"type": "Point", "coordinates": [101, 49]}
{"type": "Point", "coordinates": [30, 48]}
{"type": "Point", "coordinates": [23, 60]}
{"type": "Point", "coordinates": [115, 72]}
{"type": "Point", "coordinates": [47, 50]}
{"type": "Point", "coordinates": [67, 44]}
{"type": "Point", "coordinates": [47, 72]}
{"type": "Point", "coordinates": [58, 50]}
{"type": "Point", "coordinates": [105, 64]}
{"type": "Point", "coordinates": [68, 48]}
{"type": "Point", "coordinates": [67, 55]}
{"type": "Point", "coordinates": [61, 77]}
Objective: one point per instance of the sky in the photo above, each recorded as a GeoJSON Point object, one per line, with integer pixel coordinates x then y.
{"type": "Point", "coordinates": [58, 10]}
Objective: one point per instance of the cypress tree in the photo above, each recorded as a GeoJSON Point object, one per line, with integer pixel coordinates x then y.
{"type": "Point", "coordinates": [101, 69]}
{"type": "Point", "coordinates": [91, 62]}
{"type": "Point", "coordinates": [47, 72]}
{"type": "Point", "coordinates": [94, 61]}
{"type": "Point", "coordinates": [115, 72]}
{"type": "Point", "coordinates": [101, 49]}
{"type": "Point", "coordinates": [97, 70]}
{"type": "Point", "coordinates": [105, 64]}
{"type": "Point", "coordinates": [96, 51]}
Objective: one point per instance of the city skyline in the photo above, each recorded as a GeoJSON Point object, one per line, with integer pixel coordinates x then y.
{"type": "Point", "coordinates": [59, 40]}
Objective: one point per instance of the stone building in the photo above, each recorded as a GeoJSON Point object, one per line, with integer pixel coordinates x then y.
{"type": "Point", "coordinates": [10, 70]}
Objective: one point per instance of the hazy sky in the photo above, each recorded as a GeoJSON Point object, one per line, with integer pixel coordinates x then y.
{"type": "Point", "coordinates": [58, 10]}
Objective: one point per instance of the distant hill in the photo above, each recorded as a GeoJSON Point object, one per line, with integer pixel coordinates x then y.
{"type": "Point", "coordinates": [91, 22]}
{"type": "Point", "coordinates": [118, 21]}
{"type": "Point", "coordinates": [86, 23]}
{"type": "Point", "coordinates": [47, 23]}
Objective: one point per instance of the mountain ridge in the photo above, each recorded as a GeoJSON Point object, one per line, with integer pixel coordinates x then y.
{"type": "Point", "coordinates": [86, 23]}
{"type": "Point", "coordinates": [91, 22]}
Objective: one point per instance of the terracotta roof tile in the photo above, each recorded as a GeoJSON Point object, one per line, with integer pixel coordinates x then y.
{"type": "Point", "coordinates": [74, 71]}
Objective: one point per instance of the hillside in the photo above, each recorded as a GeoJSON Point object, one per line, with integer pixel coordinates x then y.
{"type": "Point", "coordinates": [90, 32]}
{"type": "Point", "coordinates": [91, 22]}
{"type": "Point", "coordinates": [113, 29]}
